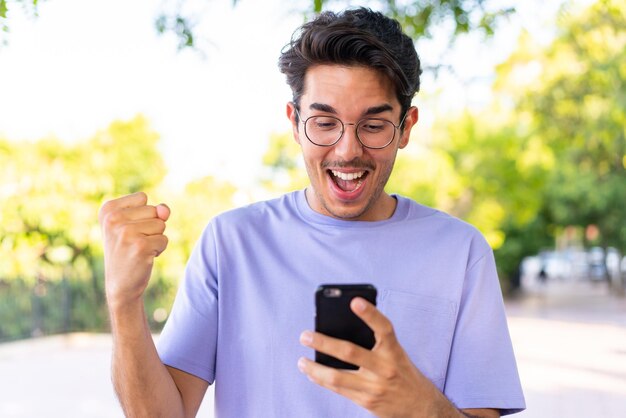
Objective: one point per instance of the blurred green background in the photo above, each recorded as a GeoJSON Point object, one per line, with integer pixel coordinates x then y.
{"type": "Point", "coordinates": [541, 165]}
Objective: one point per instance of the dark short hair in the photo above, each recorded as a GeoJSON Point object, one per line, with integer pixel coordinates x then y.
{"type": "Point", "coordinates": [355, 37]}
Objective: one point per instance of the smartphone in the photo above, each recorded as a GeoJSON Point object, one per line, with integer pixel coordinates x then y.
{"type": "Point", "coordinates": [333, 317]}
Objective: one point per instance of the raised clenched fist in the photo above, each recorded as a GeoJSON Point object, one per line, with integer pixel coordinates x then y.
{"type": "Point", "coordinates": [133, 234]}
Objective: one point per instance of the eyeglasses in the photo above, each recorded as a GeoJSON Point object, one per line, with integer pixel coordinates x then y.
{"type": "Point", "coordinates": [326, 131]}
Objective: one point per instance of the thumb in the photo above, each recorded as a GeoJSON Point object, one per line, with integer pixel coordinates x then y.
{"type": "Point", "coordinates": [163, 211]}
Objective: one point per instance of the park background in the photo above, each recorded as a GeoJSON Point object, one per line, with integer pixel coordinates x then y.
{"type": "Point", "coordinates": [522, 133]}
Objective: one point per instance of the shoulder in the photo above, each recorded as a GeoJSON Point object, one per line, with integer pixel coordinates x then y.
{"type": "Point", "coordinates": [258, 214]}
{"type": "Point", "coordinates": [439, 225]}
{"type": "Point", "coordinates": [240, 225]}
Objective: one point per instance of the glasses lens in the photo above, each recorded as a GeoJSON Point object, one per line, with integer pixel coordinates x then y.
{"type": "Point", "coordinates": [323, 130]}
{"type": "Point", "coordinates": [375, 133]}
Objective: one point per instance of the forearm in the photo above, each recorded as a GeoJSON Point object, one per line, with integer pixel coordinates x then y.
{"type": "Point", "coordinates": [143, 385]}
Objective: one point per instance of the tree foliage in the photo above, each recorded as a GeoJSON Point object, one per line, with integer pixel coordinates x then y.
{"type": "Point", "coordinates": [50, 194]}
{"type": "Point", "coordinates": [575, 95]}
{"type": "Point", "coordinates": [51, 191]}
{"type": "Point", "coordinates": [285, 168]}
{"type": "Point", "coordinates": [418, 17]}
{"type": "Point", "coordinates": [51, 272]}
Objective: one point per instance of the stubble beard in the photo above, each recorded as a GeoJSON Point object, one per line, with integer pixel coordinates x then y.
{"type": "Point", "coordinates": [348, 214]}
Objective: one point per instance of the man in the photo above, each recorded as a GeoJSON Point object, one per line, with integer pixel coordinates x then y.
{"type": "Point", "coordinates": [442, 345]}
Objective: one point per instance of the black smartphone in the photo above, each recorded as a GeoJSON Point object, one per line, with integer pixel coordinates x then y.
{"type": "Point", "coordinates": [334, 318]}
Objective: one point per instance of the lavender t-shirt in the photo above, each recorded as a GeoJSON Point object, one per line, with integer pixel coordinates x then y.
{"type": "Point", "coordinates": [248, 293]}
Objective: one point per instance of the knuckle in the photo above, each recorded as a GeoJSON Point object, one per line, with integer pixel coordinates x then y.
{"type": "Point", "coordinates": [377, 392]}
{"type": "Point", "coordinates": [104, 210]}
{"type": "Point", "coordinates": [349, 350]}
{"type": "Point", "coordinates": [111, 219]}
{"type": "Point", "coordinates": [126, 234]}
{"type": "Point", "coordinates": [389, 373]}
{"type": "Point", "coordinates": [104, 215]}
{"type": "Point", "coordinates": [369, 402]}
{"type": "Point", "coordinates": [387, 330]}
{"type": "Point", "coordinates": [334, 379]}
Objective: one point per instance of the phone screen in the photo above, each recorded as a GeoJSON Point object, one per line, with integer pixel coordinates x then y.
{"type": "Point", "coordinates": [335, 318]}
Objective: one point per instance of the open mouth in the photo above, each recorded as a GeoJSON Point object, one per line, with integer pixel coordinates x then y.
{"type": "Point", "coordinates": [348, 182]}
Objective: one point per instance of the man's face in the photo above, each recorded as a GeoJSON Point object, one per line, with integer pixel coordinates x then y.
{"type": "Point", "coordinates": [347, 179]}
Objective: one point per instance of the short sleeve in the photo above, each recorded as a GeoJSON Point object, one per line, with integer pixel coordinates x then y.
{"type": "Point", "coordinates": [482, 372]}
{"type": "Point", "coordinates": [189, 339]}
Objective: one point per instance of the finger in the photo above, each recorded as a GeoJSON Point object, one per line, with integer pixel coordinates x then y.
{"type": "Point", "coordinates": [163, 211]}
{"type": "Point", "coordinates": [382, 327]}
{"type": "Point", "coordinates": [131, 200]}
{"type": "Point", "coordinates": [150, 247]}
{"type": "Point", "coordinates": [341, 349]}
{"type": "Point", "coordinates": [159, 243]}
{"type": "Point", "coordinates": [112, 207]}
{"type": "Point", "coordinates": [138, 213]}
{"type": "Point", "coordinates": [351, 384]}
{"type": "Point", "coordinates": [336, 380]}
{"type": "Point", "coordinates": [124, 216]}
{"type": "Point", "coordinates": [154, 226]}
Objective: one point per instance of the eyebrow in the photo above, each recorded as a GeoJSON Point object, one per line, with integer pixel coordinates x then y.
{"type": "Point", "coordinates": [374, 110]}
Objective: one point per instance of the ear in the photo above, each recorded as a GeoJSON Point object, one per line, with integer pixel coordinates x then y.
{"type": "Point", "coordinates": [412, 115]}
{"type": "Point", "coordinates": [291, 115]}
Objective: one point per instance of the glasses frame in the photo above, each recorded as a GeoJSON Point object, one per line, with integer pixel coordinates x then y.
{"type": "Point", "coordinates": [356, 131]}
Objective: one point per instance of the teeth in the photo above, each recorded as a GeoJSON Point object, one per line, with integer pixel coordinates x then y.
{"type": "Point", "coordinates": [348, 176]}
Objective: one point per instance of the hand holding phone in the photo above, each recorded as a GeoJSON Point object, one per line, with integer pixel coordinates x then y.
{"type": "Point", "coordinates": [335, 318]}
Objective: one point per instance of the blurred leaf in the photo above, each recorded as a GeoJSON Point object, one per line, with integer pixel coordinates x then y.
{"type": "Point", "coordinates": [285, 167]}
{"type": "Point", "coordinates": [317, 5]}
{"type": "Point", "coordinates": [418, 17]}
{"type": "Point", "coordinates": [51, 192]}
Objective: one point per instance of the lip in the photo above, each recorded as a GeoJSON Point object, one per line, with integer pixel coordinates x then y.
{"type": "Point", "coordinates": [343, 195]}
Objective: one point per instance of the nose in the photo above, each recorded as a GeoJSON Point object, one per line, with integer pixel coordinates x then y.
{"type": "Point", "coordinates": [349, 146]}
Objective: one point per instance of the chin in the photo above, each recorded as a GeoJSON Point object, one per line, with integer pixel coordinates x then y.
{"type": "Point", "coordinates": [347, 212]}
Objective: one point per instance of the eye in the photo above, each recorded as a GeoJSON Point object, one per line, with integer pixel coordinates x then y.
{"type": "Point", "coordinates": [373, 126]}
{"type": "Point", "coordinates": [324, 123]}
